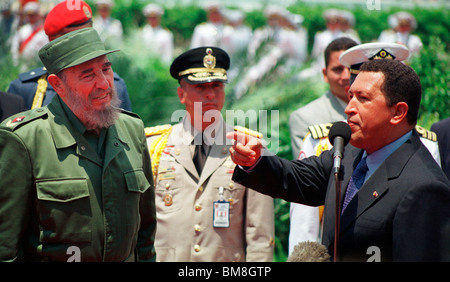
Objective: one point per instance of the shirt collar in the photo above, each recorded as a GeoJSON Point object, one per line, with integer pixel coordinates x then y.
{"type": "Point", "coordinates": [213, 134]}
{"type": "Point", "coordinates": [73, 119]}
{"type": "Point", "coordinates": [375, 159]}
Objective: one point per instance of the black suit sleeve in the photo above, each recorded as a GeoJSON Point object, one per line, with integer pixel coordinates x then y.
{"type": "Point", "coordinates": [301, 181]}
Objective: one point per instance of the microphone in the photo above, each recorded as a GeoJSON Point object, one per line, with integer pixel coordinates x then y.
{"type": "Point", "coordinates": [309, 252]}
{"type": "Point", "coordinates": [339, 136]}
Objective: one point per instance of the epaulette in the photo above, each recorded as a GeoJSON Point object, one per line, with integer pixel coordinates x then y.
{"type": "Point", "coordinates": [19, 120]}
{"type": "Point", "coordinates": [248, 131]}
{"type": "Point", "coordinates": [32, 74]}
{"type": "Point", "coordinates": [157, 130]}
{"type": "Point", "coordinates": [426, 133]}
{"type": "Point", "coordinates": [129, 113]}
{"type": "Point", "coordinates": [319, 131]}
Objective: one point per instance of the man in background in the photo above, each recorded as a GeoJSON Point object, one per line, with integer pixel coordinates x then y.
{"type": "Point", "coordinates": [33, 85]}
{"type": "Point", "coordinates": [202, 214]}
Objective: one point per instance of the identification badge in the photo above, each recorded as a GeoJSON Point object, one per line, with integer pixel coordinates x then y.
{"type": "Point", "coordinates": [221, 216]}
{"type": "Point", "coordinates": [221, 208]}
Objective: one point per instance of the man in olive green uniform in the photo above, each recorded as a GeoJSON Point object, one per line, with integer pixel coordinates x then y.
{"type": "Point", "coordinates": [202, 214]}
{"type": "Point", "coordinates": [75, 175]}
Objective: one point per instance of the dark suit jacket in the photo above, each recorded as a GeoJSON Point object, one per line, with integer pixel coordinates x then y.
{"type": "Point", "coordinates": [403, 208]}
{"type": "Point", "coordinates": [442, 129]}
{"type": "Point", "coordinates": [10, 104]}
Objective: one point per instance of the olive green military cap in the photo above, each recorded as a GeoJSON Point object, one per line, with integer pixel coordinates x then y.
{"type": "Point", "coordinates": [72, 49]}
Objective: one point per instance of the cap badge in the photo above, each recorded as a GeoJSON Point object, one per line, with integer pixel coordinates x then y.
{"type": "Point", "coordinates": [87, 12]}
{"type": "Point", "coordinates": [383, 54]}
{"type": "Point", "coordinates": [209, 61]}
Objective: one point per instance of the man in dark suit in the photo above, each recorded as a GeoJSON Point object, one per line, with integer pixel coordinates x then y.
{"type": "Point", "coordinates": [442, 129]}
{"type": "Point", "coordinates": [402, 209]}
{"type": "Point", "coordinates": [10, 104]}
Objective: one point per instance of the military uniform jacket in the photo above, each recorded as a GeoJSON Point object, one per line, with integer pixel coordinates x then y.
{"type": "Point", "coordinates": [402, 208]}
{"type": "Point", "coordinates": [56, 192]}
{"type": "Point", "coordinates": [184, 203]}
{"type": "Point", "coordinates": [324, 109]}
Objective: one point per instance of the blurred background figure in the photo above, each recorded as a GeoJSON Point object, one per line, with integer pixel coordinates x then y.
{"type": "Point", "coordinates": [338, 24]}
{"type": "Point", "coordinates": [293, 40]}
{"type": "Point", "coordinates": [29, 38]}
{"type": "Point", "coordinates": [280, 45]}
{"type": "Point", "coordinates": [110, 29]}
{"type": "Point", "coordinates": [347, 24]}
{"type": "Point", "coordinates": [237, 35]}
{"type": "Point", "coordinates": [209, 33]}
{"type": "Point", "coordinates": [264, 51]}
{"type": "Point", "coordinates": [9, 22]}
{"type": "Point", "coordinates": [442, 129]}
{"type": "Point", "coordinates": [33, 85]}
{"type": "Point", "coordinates": [402, 25]}
{"type": "Point", "coordinates": [269, 33]}
{"type": "Point", "coordinates": [157, 40]}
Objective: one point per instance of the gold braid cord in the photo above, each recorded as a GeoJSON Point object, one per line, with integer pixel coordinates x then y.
{"type": "Point", "coordinates": [158, 145]}
{"type": "Point", "coordinates": [40, 92]}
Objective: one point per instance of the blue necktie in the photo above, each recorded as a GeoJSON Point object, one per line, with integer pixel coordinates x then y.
{"type": "Point", "coordinates": [356, 181]}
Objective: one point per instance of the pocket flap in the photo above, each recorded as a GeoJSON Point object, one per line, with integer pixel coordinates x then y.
{"type": "Point", "coordinates": [136, 181]}
{"type": "Point", "coordinates": [62, 190]}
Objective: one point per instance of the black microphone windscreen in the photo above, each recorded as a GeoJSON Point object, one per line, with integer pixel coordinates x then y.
{"type": "Point", "coordinates": [342, 129]}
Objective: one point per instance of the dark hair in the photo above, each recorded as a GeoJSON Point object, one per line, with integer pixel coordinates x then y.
{"type": "Point", "coordinates": [339, 44]}
{"type": "Point", "coordinates": [401, 84]}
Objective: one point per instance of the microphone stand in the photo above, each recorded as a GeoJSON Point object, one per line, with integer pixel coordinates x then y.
{"type": "Point", "coordinates": [338, 177]}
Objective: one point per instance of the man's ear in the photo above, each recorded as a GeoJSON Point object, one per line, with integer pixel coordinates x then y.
{"type": "Point", "coordinates": [399, 112]}
{"type": "Point", "coordinates": [57, 84]}
{"type": "Point", "coordinates": [324, 74]}
{"type": "Point", "coordinates": [181, 93]}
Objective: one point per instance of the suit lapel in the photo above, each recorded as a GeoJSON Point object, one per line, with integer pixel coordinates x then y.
{"type": "Point", "coordinates": [377, 185]}
{"type": "Point", "coordinates": [372, 190]}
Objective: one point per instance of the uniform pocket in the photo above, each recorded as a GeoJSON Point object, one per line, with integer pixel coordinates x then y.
{"type": "Point", "coordinates": [136, 181]}
{"type": "Point", "coordinates": [64, 210]}
{"type": "Point", "coordinates": [137, 184]}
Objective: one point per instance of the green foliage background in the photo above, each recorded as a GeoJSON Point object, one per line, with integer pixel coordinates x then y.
{"type": "Point", "coordinates": [153, 92]}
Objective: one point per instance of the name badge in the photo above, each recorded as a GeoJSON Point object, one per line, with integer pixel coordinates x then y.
{"type": "Point", "coordinates": [221, 216]}
{"type": "Point", "coordinates": [221, 208]}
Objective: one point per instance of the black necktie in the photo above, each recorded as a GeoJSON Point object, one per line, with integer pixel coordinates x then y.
{"type": "Point", "coordinates": [199, 157]}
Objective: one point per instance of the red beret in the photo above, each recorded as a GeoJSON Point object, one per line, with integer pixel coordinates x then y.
{"type": "Point", "coordinates": [67, 14]}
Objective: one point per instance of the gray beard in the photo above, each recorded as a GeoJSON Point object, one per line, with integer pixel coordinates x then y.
{"type": "Point", "coordinates": [94, 119]}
